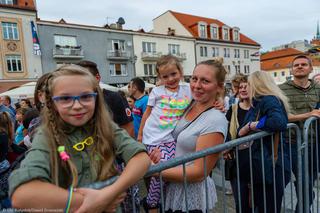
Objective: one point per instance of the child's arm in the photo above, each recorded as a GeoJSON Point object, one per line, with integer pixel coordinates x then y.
{"type": "Point", "coordinates": [145, 116]}
{"type": "Point", "coordinates": [38, 194]}
{"type": "Point", "coordinates": [100, 200]}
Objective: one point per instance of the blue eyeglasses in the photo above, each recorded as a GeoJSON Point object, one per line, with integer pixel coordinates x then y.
{"type": "Point", "coordinates": [67, 101]}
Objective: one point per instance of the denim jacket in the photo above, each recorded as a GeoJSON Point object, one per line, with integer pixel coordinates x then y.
{"type": "Point", "coordinates": [277, 119]}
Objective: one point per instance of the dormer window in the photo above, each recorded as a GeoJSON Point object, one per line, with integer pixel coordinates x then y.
{"type": "Point", "coordinates": [202, 30]}
{"type": "Point", "coordinates": [236, 36]}
{"type": "Point", "coordinates": [9, 2]}
{"type": "Point", "coordinates": [214, 31]}
{"type": "Point", "coordinates": [225, 33]}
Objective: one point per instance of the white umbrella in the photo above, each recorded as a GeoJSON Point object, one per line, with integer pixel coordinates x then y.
{"type": "Point", "coordinates": [24, 91]}
{"type": "Point", "coordinates": [108, 87]}
{"type": "Point", "coordinates": [147, 86]}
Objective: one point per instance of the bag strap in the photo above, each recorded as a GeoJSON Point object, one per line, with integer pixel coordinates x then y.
{"type": "Point", "coordinates": [276, 145]}
{"type": "Point", "coordinates": [186, 126]}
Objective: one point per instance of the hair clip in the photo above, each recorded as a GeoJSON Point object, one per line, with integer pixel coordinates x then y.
{"type": "Point", "coordinates": [63, 154]}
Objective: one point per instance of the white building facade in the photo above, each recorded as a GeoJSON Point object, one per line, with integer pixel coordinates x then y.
{"type": "Point", "coordinates": [213, 39]}
{"type": "Point", "coordinates": [149, 47]}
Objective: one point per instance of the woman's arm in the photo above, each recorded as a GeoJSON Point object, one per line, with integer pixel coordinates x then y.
{"type": "Point", "coordinates": [195, 172]}
{"type": "Point", "coordinates": [145, 116]}
{"type": "Point", "coordinates": [275, 116]}
{"type": "Point", "coordinates": [38, 194]}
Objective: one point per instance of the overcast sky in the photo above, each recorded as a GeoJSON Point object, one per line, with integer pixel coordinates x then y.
{"type": "Point", "coordinates": [269, 22]}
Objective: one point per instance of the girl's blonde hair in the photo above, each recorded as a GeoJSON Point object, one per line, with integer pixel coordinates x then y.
{"type": "Point", "coordinates": [168, 60]}
{"type": "Point", "coordinates": [261, 84]}
{"type": "Point", "coordinates": [6, 125]}
{"type": "Point", "coordinates": [101, 130]}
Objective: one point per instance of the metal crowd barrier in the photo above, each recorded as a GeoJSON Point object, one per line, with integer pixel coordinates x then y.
{"type": "Point", "coordinates": [311, 164]}
{"type": "Point", "coordinates": [223, 205]}
{"type": "Point", "coordinates": [303, 159]}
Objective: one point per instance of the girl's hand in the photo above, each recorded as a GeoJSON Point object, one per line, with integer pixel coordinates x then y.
{"type": "Point", "coordinates": [155, 156]}
{"type": "Point", "coordinates": [96, 201]}
{"type": "Point", "coordinates": [219, 105]}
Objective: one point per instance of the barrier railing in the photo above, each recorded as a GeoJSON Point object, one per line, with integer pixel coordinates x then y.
{"type": "Point", "coordinates": [311, 164]}
{"type": "Point", "coordinates": [257, 191]}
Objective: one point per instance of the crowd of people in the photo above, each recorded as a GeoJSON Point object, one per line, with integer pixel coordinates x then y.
{"type": "Point", "coordinates": [76, 133]}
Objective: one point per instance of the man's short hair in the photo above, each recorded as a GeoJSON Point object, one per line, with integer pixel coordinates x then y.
{"type": "Point", "coordinates": [304, 57]}
{"type": "Point", "coordinates": [91, 66]}
{"type": "Point", "coordinates": [139, 83]}
{"type": "Point", "coordinates": [6, 97]}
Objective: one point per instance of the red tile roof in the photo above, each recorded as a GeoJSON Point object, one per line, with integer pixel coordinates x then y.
{"type": "Point", "coordinates": [282, 59]}
{"type": "Point", "coordinates": [190, 22]}
{"type": "Point", "coordinates": [280, 53]}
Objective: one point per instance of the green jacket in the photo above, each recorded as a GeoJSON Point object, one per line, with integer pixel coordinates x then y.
{"type": "Point", "coordinates": [301, 100]}
{"type": "Point", "coordinates": [36, 165]}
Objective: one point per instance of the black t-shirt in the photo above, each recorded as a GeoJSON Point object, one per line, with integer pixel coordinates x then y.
{"type": "Point", "coordinates": [4, 144]}
{"type": "Point", "coordinates": [118, 107]}
{"type": "Point", "coordinates": [241, 116]}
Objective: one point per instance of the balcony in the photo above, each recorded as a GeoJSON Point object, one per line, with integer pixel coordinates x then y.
{"type": "Point", "coordinates": [68, 52]}
{"type": "Point", "coordinates": [180, 56]}
{"type": "Point", "coordinates": [118, 55]}
{"type": "Point", "coordinates": [150, 56]}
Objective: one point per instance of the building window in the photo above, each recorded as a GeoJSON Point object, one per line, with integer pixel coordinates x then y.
{"type": "Point", "coordinates": [65, 41]}
{"type": "Point", "coordinates": [236, 53]}
{"type": "Point", "coordinates": [236, 35]}
{"type": "Point", "coordinates": [9, 2]}
{"type": "Point", "coordinates": [118, 69]}
{"type": "Point", "coordinates": [148, 47]}
{"type": "Point", "coordinates": [214, 32]}
{"type": "Point", "coordinates": [149, 69]}
{"type": "Point", "coordinates": [274, 74]}
{"type": "Point", "coordinates": [237, 67]}
{"type": "Point", "coordinates": [10, 31]}
{"type": "Point", "coordinates": [14, 63]}
{"type": "Point", "coordinates": [246, 53]}
{"type": "Point", "coordinates": [225, 33]}
{"type": "Point", "coordinates": [203, 51]}
{"type": "Point", "coordinates": [226, 52]}
{"type": "Point", "coordinates": [118, 45]}
{"type": "Point", "coordinates": [203, 31]}
{"type": "Point", "coordinates": [215, 51]}
{"type": "Point", "coordinates": [174, 49]}
{"type": "Point", "coordinates": [246, 69]}
{"type": "Point", "coordinates": [283, 73]}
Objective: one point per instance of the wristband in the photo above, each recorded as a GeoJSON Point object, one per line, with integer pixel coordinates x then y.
{"type": "Point", "coordinates": [67, 209]}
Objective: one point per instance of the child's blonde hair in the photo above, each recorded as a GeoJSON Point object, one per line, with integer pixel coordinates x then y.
{"type": "Point", "coordinates": [102, 148]}
{"type": "Point", "coordinates": [168, 60]}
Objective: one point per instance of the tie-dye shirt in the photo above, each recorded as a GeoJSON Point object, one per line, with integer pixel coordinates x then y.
{"type": "Point", "coordinates": [167, 109]}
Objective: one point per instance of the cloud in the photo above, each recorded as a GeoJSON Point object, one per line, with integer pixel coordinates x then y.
{"type": "Point", "coordinates": [268, 22]}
